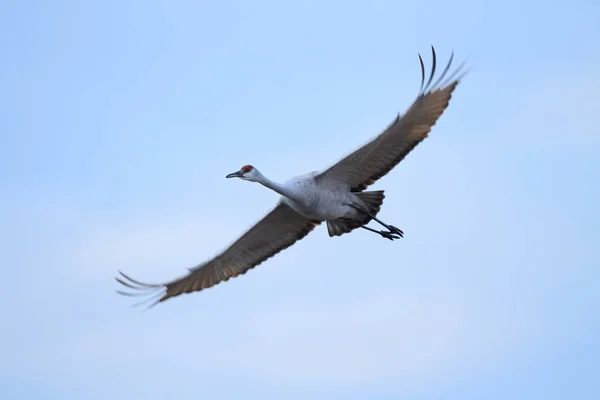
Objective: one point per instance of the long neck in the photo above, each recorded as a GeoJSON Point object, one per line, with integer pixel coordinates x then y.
{"type": "Point", "coordinates": [276, 187]}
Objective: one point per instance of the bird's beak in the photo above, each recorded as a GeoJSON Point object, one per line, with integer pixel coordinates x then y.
{"type": "Point", "coordinates": [237, 174]}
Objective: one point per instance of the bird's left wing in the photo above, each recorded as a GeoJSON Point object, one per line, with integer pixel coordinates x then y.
{"type": "Point", "coordinates": [278, 230]}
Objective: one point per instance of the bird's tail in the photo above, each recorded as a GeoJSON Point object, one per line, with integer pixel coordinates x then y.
{"type": "Point", "coordinates": [373, 200]}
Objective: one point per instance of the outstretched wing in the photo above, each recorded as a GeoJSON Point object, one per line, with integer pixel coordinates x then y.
{"type": "Point", "coordinates": [375, 159]}
{"type": "Point", "coordinates": [278, 230]}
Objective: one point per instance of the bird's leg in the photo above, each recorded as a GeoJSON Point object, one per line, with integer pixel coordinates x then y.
{"type": "Point", "coordinates": [385, 234]}
{"type": "Point", "coordinates": [391, 228]}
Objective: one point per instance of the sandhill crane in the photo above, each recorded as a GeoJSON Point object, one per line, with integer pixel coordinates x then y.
{"type": "Point", "coordinates": [335, 195]}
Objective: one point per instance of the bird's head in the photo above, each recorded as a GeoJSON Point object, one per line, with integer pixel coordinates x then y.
{"type": "Point", "coordinates": [247, 173]}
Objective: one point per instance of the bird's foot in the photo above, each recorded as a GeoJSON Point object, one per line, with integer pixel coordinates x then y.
{"type": "Point", "coordinates": [389, 235]}
{"type": "Point", "coordinates": [386, 234]}
{"type": "Point", "coordinates": [396, 231]}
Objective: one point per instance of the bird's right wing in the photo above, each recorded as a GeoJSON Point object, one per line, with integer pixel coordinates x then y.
{"type": "Point", "coordinates": [376, 158]}
{"type": "Point", "coordinates": [278, 230]}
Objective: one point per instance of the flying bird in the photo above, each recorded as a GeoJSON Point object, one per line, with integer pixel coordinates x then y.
{"type": "Point", "coordinates": [335, 196]}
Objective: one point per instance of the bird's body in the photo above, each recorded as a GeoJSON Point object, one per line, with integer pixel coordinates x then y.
{"type": "Point", "coordinates": [335, 195]}
{"type": "Point", "coordinates": [318, 201]}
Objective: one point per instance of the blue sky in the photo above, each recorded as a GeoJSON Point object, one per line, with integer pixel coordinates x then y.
{"type": "Point", "coordinates": [119, 121]}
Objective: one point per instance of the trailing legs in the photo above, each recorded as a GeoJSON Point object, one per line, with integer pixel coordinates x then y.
{"type": "Point", "coordinates": [390, 228]}
{"type": "Point", "coordinates": [385, 234]}
{"type": "Point", "coordinates": [391, 233]}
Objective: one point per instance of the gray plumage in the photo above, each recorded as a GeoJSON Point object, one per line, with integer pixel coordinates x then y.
{"type": "Point", "coordinates": [335, 195]}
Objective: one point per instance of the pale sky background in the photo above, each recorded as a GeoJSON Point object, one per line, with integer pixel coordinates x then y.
{"type": "Point", "coordinates": [119, 121]}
